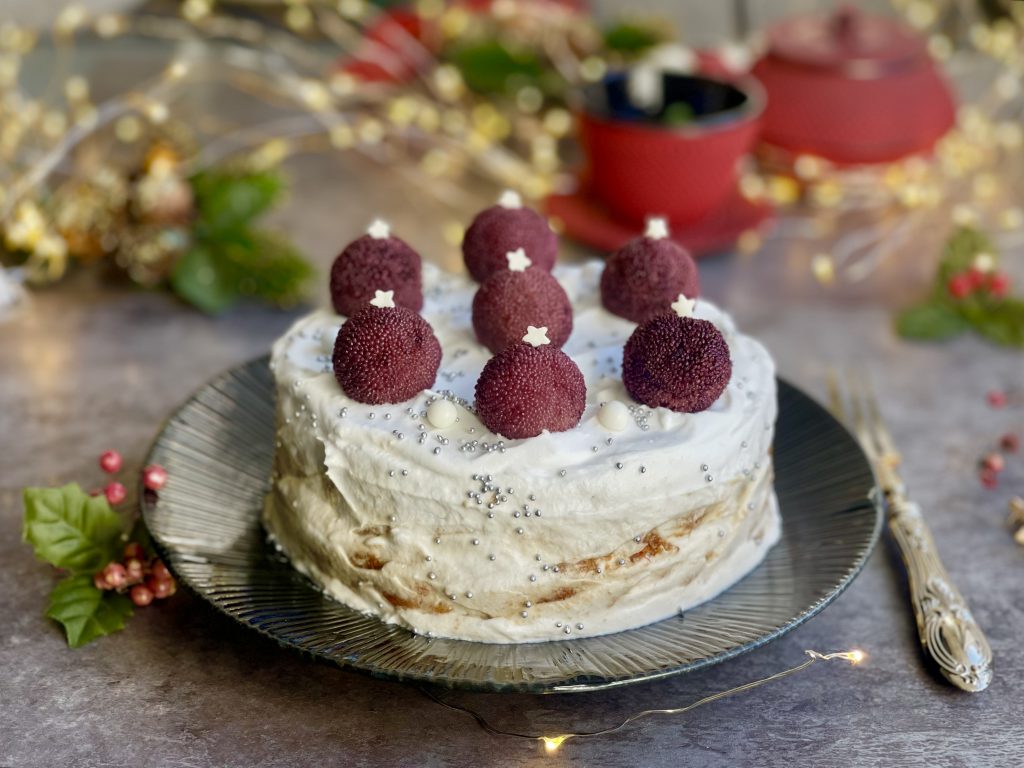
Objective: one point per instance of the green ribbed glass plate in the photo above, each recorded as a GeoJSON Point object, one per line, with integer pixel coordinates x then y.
{"type": "Point", "coordinates": [218, 449]}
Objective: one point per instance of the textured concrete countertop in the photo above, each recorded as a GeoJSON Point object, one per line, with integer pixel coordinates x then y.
{"type": "Point", "coordinates": [89, 367]}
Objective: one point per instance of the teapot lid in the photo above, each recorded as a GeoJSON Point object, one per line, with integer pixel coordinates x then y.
{"type": "Point", "coordinates": [848, 41]}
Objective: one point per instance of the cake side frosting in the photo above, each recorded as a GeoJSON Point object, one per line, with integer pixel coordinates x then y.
{"type": "Point", "coordinates": [461, 533]}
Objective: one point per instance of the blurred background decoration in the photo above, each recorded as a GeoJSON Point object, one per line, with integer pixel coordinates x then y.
{"type": "Point", "coordinates": [450, 96]}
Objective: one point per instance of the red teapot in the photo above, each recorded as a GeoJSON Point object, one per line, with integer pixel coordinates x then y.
{"type": "Point", "coordinates": [852, 88]}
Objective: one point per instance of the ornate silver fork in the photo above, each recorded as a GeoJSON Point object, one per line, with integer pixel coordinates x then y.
{"type": "Point", "coordinates": [947, 629]}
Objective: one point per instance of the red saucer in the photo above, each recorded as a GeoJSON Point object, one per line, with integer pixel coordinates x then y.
{"type": "Point", "coordinates": [587, 221]}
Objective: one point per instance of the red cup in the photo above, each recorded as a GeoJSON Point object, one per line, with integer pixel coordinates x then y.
{"type": "Point", "coordinates": [638, 167]}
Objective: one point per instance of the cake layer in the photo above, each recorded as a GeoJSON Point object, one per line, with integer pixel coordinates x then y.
{"type": "Point", "coordinates": [460, 533]}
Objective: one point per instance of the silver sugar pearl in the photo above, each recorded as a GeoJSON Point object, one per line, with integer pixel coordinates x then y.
{"type": "Point", "coordinates": [558, 624]}
{"type": "Point", "coordinates": [524, 614]}
{"type": "Point", "coordinates": [643, 469]}
{"type": "Point", "coordinates": [703, 467]}
{"type": "Point", "coordinates": [618, 465]}
{"type": "Point", "coordinates": [476, 542]}
{"type": "Point", "coordinates": [491, 557]}
{"type": "Point", "coordinates": [519, 531]}
{"type": "Point", "coordinates": [532, 577]}
{"type": "Point", "coordinates": [431, 575]}
{"type": "Point", "coordinates": [469, 595]}
{"type": "Point", "coordinates": [437, 451]}
{"type": "Point", "coordinates": [579, 626]}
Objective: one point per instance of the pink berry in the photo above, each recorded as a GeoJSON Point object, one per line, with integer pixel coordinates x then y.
{"type": "Point", "coordinates": [115, 575]}
{"type": "Point", "coordinates": [133, 551]}
{"type": "Point", "coordinates": [994, 462]}
{"type": "Point", "coordinates": [975, 278]}
{"type": "Point", "coordinates": [99, 580]}
{"type": "Point", "coordinates": [160, 588]}
{"type": "Point", "coordinates": [989, 479]}
{"type": "Point", "coordinates": [110, 462]}
{"type": "Point", "coordinates": [996, 398]}
{"type": "Point", "coordinates": [141, 595]}
{"type": "Point", "coordinates": [999, 284]}
{"type": "Point", "coordinates": [134, 570]}
{"type": "Point", "coordinates": [1010, 442]}
{"type": "Point", "coordinates": [959, 285]}
{"type": "Point", "coordinates": [154, 477]}
{"type": "Point", "coordinates": [115, 492]}
{"type": "Point", "coordinates": [159, 570]}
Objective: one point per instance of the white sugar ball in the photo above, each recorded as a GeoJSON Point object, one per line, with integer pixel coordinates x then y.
{"type": "Point", "coordinates": [441, 414]}
{"type": "Point", "coordinates": [614, 416]}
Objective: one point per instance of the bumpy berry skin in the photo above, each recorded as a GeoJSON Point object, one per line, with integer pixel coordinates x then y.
{"type": "Point", "coordinates": [677, 363]}
{"type": "Point", "coordinates": [386, 355]}
{"type": "Point", "coordinates": [370, 264]}
{"type": "Point", "coordinates": [509, 301]}
{"type": "Point", "coordinates": [525, 390]}
{"type": "Point", "coordinates": [496, 230]}
{"type": "Point", "coordinates": [645, 276]}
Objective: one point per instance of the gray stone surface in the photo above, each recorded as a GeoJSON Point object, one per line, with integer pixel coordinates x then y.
{"type": "Point", "coordinates": [89, 367]}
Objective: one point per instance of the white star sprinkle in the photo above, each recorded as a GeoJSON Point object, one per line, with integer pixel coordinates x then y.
{"type": "Point", "coordinates": [379, 230]}
{"type": "Point", "coordinates": [683, 306]}
{"type": "Point", "coordinates": [657, 228]}
{"type": "Point", "coordinates": [536, 337]}
{"type": "Point", "coordinates": [510, 199]}
{"type": "Point", "coordinates": [518, 261]}
{"type": "Point", "coordinates": [383, 299]}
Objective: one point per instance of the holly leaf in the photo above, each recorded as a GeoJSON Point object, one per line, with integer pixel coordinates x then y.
{"type": "Point", "coordinates": [231, 200]}
{"type": "Point", "coordinates": [1002, 323]}
{"type": "Point", "coordinates": [492, 67]}
{"type": "Point", "coordinates": [85, 611]}
{"type": "Point", "coordinates": [960, 249]}
{"type": "Point", "coordinates": [70, 529]}
{"type": "Point", "coordinates": [273, 270]}
{"type": "Point", "coordinates": [631, 39]}
{"type": "Point", "coordinates": [931, 322]}
{"type": "Point", "coordinates": [203, 281]}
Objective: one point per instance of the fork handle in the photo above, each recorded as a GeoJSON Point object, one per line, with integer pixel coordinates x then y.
{"type": "Point", "coordinates": [947, 629]}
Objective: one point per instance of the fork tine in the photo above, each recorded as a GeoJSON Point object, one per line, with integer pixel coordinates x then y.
{"type": "Point", "coordinates": [881, 432]}
{"type": "Point", "coordinates": [835, 399]}
{"type": "Point", "coordinates": [860, 424]}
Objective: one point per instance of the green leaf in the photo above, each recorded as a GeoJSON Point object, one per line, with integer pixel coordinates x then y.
{"type": "Point", "coordinates": [231, 200]}
{"type": "Point", "coordinates": [1002, 322]}
{"type": "Point", "coordinates": [273, 270]}
{"type": "Point", "coordinates": [70, 529]}
{"type": "Point", "coordinates": [203, 281]}
{"type": "Point", "coordinates": [631, 38]}
{"type": "Point", "coordinates": [931, 321]}
{"type": "Point", "coordinates": [87, 612]}
{"type": "Point", "coordinates": [962, 246]}
{"type": "Point", "coordinates": [491, 67]}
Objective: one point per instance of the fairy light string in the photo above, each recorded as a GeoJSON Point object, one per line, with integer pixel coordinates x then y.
{"type": "Point", "coordinates": [552, 742]}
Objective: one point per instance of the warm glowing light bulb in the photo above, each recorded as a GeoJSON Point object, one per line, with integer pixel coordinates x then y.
{"type": "Point", "coordinates": [552, 743]}
{"type": "Point", "coordinates": [857, 656]}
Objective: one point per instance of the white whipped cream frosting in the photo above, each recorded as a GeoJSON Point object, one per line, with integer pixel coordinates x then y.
{"type": "Point", "coordinates": [461, 533]}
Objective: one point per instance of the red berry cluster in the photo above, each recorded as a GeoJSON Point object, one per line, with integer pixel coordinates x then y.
{"type": "Point", "coordinates": [994, 462]}
{"type": "Point", "coordinates": [973, 280]}
{"type": "Point", "coordinates": [145, 579]}
{"type": "Point", "coordinates": [153, 477]}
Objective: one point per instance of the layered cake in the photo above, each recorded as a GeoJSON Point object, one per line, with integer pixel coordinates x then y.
{"type": "Point", "coordinates": [451, 466]}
